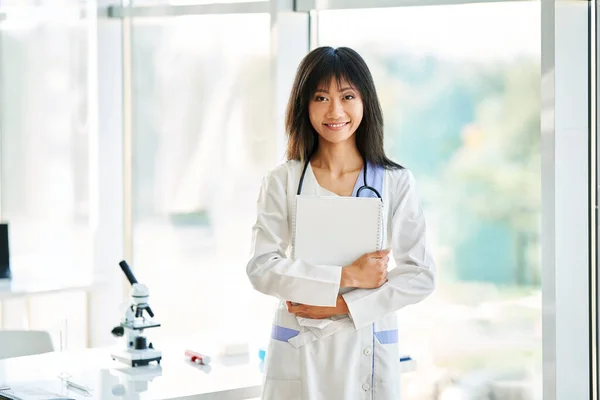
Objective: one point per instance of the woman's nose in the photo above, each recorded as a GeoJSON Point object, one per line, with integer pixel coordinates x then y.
{"type": "Point", "coordinates": [335, 110]}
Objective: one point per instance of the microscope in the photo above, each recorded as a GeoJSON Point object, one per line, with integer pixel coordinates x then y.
{"type": "Point", "coordinates": [138, 352]}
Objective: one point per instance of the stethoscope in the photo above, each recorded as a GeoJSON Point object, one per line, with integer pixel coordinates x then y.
{"type": "Point", "coordinates": [360, 189]}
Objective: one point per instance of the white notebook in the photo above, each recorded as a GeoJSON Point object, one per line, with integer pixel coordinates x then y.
{"type": "Point", "coordinates": [330, 230]}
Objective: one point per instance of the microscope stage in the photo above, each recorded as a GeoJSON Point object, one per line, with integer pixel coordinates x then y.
{"type": "Point", "coordinates": [140, 326]}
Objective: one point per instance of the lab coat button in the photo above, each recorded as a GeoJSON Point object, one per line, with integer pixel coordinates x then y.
{"type": "Point", "coordinates": [367, 351]}
{"type": "Point", "coordinates": [366, 386]}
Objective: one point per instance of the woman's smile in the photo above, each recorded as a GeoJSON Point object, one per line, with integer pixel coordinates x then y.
{"type": "Point", "coordinates": [337, 126]}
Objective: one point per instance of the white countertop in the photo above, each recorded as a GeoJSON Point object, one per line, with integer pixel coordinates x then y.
{"type": "Point", "coordinates": [175, 378]}
{"type": "Point", "coordinates": [226, 378]}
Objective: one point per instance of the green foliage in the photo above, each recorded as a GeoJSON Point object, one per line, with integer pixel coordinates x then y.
{"type": "Point", "coordinates": [471, 134]}
{"type": "Point", "coordinates": [497, 168]}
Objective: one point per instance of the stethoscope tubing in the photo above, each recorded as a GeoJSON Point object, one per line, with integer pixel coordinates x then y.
{"type": "Point", "coordinates": [360, 189]}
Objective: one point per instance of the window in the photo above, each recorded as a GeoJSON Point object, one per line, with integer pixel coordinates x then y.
{"type": "Point", "coordinates": [45, 153]}
{"type": "Point", "coordinates": [45, 144]}
{"type": "Point", "coordinates": [462, 111]}
{"type": "Point", "coordinates": [203, 141]}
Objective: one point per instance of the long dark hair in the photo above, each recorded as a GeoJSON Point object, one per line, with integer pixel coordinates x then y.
{"type": "Point", "coordinates": [321, 65]}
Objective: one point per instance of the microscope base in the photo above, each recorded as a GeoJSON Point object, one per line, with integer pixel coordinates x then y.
{"type": "Point", "coordinates": [137, 358]}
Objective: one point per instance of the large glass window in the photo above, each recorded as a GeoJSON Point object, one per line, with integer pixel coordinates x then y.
{"type": "Point", "coordinates": [45, 142]}
{"type": "Point", "coordinates": [45, 147]}
{"type": "Point", "coordinates": [203, 140]}
{"type": "Point", "coordinates": [460, 87]}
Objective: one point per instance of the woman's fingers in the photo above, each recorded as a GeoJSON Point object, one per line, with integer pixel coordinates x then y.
{"type": "Point", "coordinates": [290, 307]}
{"type": "Point", "coordinates": [379, 253]}
{"type": "Point", "coordinates": [299, 310]}
{"type": "Point", "coordinates": [295, 308]}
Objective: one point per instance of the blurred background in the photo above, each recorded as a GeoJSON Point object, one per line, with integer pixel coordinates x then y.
{"type": "Point", "coordinates": [197, 101]}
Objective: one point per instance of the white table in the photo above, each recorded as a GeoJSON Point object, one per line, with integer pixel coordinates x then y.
{"type": "Point", "coordinates": [227, 378]}
{"type": "Point", "coordinates": [175, 378]}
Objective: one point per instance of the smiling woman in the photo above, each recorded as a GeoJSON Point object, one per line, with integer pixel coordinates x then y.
{"type": "Point", "coordinates": [335, 127]}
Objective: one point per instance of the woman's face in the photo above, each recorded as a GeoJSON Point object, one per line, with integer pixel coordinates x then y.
{"type": "Point", "coordinates": [335, 111]}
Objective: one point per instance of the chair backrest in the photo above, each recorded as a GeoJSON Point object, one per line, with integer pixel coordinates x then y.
{"type": "Point", "coordinates": [24, 343]}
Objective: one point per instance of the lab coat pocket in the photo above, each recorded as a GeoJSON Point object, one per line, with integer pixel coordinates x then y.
{"type": "Point", "coordinates": [387, 358]}
{"type": "Point", "coordinates": [278, 389]}
{"type": "Point", "coordinates": [282, 361]}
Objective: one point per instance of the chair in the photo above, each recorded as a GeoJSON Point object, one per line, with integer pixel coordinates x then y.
{"type": "Point", "coordinates": [24, 343]}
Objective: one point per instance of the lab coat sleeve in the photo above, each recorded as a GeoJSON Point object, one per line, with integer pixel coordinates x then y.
{"type": "Point", "coordinates": [413, 279]}
{"type": "Point", "coordinates": [270, 271]}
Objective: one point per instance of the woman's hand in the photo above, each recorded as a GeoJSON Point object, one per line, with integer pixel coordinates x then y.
{"type": "Point", "coordinates": [368, 272]}
{"type": "Point", "coordinates": [317, 312]}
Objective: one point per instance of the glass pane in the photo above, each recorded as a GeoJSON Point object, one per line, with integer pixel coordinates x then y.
{"type": "Point", "coordinates": [203, 141]}
{"type": "Point", "coordinates": [462, 111]}
{"type": "Point", "coordinates": [45, 157]}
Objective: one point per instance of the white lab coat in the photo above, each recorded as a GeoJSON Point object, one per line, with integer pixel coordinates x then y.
{"type": "Point", "coordinates": [357, 358]}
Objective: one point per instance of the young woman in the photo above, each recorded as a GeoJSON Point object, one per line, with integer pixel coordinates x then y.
{"type": "Point", "coordinates": [335, 131]}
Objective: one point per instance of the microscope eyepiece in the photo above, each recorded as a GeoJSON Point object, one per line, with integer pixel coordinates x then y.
{"type": "Point", "coordinates": [127, 271]}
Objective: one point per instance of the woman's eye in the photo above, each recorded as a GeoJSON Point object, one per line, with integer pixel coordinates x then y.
{"type": "Point", "coordinates": [349, 97]}
{"type": "Point", "coordinates": [320, 98]}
